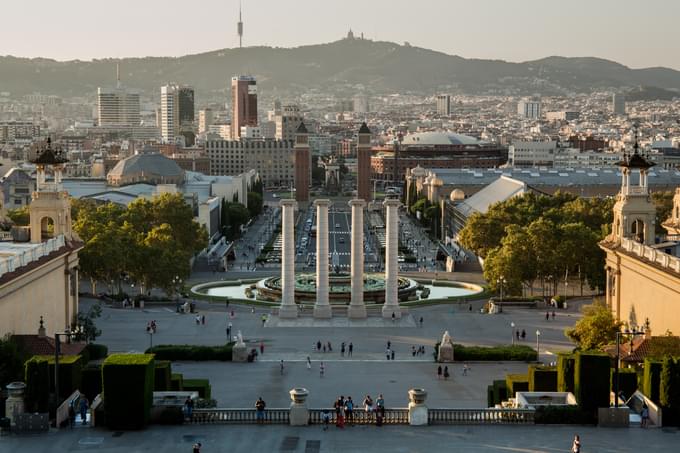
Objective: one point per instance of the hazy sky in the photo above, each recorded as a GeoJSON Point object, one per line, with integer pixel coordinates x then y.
{"type": "Point", "coordinates": [636, 33]}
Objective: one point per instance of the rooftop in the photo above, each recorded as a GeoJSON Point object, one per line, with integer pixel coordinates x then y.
{"type": "Point", "coordinates": [440, 138]}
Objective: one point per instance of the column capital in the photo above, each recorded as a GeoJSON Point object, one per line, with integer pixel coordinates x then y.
{"type": "Point", "coordinates": [288, 202]}
{"type": "Point", "coordinates": [392, 203]}
{"type": "Point", "coordinates": [358, 202]}
{"type": "Point", "coordinates": [322, 202]}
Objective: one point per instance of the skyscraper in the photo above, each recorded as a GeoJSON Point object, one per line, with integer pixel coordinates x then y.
{"type": "Point", "coordinates": [117, 106]}
{"type": "Point", "coordinates": [177, 113]}
{"type": "Point", "coordinates": [302, 159]}
{"type": "Point", "coordinates": [287, 121]}
{"type": "Point", "coordinates": [618, 104]}
{"type": "Point", "coordinates": [528, 108]}
{"type": "Point", "coordinates": [364, 163]}
{"type": "Point", "coordinates": [444, 105]}
{"type": "Point", "coordinates": [243, 104]}
{"type": "Point", "coordinates": [205, 120]}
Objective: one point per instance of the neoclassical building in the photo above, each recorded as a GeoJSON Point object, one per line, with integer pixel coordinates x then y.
{"type": "Point", "coordinates": [643, 271]}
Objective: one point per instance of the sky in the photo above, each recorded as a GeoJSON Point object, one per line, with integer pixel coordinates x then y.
{"type": "Point", "coordinates": [640, 33]}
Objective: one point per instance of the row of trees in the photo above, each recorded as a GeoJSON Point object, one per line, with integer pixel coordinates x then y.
{"type": "Point", "coordinates": [149, 243]}
{"type": "Point", "coordinates": [540, 238]}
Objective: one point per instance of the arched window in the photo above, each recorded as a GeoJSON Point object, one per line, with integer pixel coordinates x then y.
{"type": "Point", "coordinates": [638, 230]}
{"type": "Point", "coordinates": [46, 228]}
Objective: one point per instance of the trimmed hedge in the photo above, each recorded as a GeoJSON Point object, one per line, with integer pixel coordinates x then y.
{"type": "Point", "coordinates": [669, 392]}
{"type": "Point", "coordinates": [591, 380]}
{"type": "Point", "coordinates": [489, 396]}
{"type": "Point", "coordinates": [176, 382]}
{"type": "Point", "coordinates": [96, 351]}
{"type": "Point", "coordinates": [202, 386]}
{"type": "Point", "coordinates": [37, 379]}
{"type": "Point", "coordinates": [651, 380]}
{"type": "Point", "coordinates": [565, 372]}
{"type": "Point", "coordinates": [500, 391]}
{"type": "Point", "coordinates": [561, 415]}
{"type": "Point", "coordinates": [493, 353]}
{"type": "Point", "coordinates": [627, 381]}
{"type": "Point", "coordinates": [70, 373]}
{"type": "Point", "coordinates": [162, 372]}
{"type": "Point", "coordinates": [192, 352]}
{"type": "Point", "coordinates": [128, 390]}
{"type": "Point", "coordinates": [516, 383]}
{"type": "Point", "coordinates": [542, 378]}
{"type": "Point", "coordinates": [91, 384]}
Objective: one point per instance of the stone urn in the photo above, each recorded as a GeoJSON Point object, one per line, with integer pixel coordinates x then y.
{"type": "Point", "coordinates": [417, 396]}
{"type": "Point", "coordinates": [15, 400]}
{"type": "Point", "coordinates": [298, 395]}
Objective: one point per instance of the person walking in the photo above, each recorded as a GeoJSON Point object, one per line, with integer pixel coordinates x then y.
{"type": "Point", "coordinates": [517, 334]}
{"type": "Point", "coordinates": [387, 353]}
{"type": "Point", "coordinates": [446, 373]}
{"type": "Point", "coordinates": [342, 349]}
{"type": "Point", "coordinates": [318, 346]}
{"type": "Point", "coordinates": [413, 351]}
{"type": "Point", "coordinates": [330, 348]}
{"type": "Point", "coordinates": [392, 354]}
{"type": "Point", "coordinates": [439, 372]}
{"type": "Point", "coordinates": [380, 405]}
{"type": "Point", "coordinates": [322, 369]}
{"type": "Point", "coordinates": [84, 406]}
{"type": "Point", "coordinates": [261, 347]}
{"type": "Point", "coordinates": [263, 318]}
{"type": "Point", "coordinates": [281, 366]}
{"type": "Point", "coordinates": [547, 316]}
{"type": "Point", "coordinates": [260, 405]}
{"type": "Point", "coordinates": [324, 348]}
{"type": "Point", "coordinates": [576, 445]}
{"type": "Point", "coordinates": [309, 363]}
{"type": "Point", "coordinates": [197, 447]}
{"type": "Point", "coordinates": [644, 416]}
{"type": "Point", "coordinates": [340, 413]}
{"type": "Point", "coordinates": [389, 344]}
{"type": "Point", "coordinates": [351, 348]}
{"type": "Point", "coordinates": [203, 319]}
{"type": "Point", "coordinates": [524, 334]}
{"type": "Point", "coordinates": [421, 321]}
{"type": "Point", "coordinates": [229, 330]}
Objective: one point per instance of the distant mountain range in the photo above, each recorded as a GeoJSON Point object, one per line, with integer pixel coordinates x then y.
{"type": "Point", "coordinates": [343, 67]}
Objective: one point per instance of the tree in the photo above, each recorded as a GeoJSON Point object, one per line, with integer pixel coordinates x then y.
{"type": "Point", "coordinates": [664, 207]}
{"type": "Point", "coordinates": [87, 322]}
{"type": "Point", "coordinates": [596, 329]}
{"type": "Point", "coordinates": [19, 216]}
{"type": "Point", "coordinates": [254, 204]}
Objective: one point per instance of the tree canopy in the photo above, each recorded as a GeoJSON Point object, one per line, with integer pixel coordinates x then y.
{"type": "Point", "coordinates": [596, 329]}
{"type": "Point", "coordinates": [121, 243]}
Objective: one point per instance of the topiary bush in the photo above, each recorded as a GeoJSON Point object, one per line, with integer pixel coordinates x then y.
{"type": "Point", "coordinates": [162, 374]}
{"type": "Point", "coordinates": [494, 353]}
{"type": "Point", "coordinates": [128, 381]}
{"type": "Point", "coordinates": [91, 383]}
{"type": "Point", "coordinates": [542, 378]}
{"type": "Point", "coordinates": [37, 384]}
{"type": "Point", "coordinates": [516, 383]}
{"type": "Point", "coordinates": [669, 391]}
{"type": "Point", "coordinates": [202, 386]}
{"type": "Point", "coordinates": [565, 372]}
{"type": "Point", "coordinates": [96, 351]}
{"type": "Point", "coordinates": [627, 381]}
{"type": "Point", "coordinates": [192, 352]}
{"type": "Point", "coordinates": [591, 380]}
{"type": "Point", "coordinates": [651, 379]}
{"type": "Point", "coordinates": [70, 374]}
{"type": "Point", "coordinates": [500, 391]}
{"type": "Point", "coordinates": [176, 382]}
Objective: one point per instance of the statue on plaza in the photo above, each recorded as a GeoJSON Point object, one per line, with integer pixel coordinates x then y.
{"type": "Point", "coordinates": [445, 353]}
{"type": "Point", "coordinates": [239, 339]}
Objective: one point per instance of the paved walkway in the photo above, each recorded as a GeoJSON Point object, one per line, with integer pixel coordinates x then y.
{"type": "Point", "coordinates": [312, 439]}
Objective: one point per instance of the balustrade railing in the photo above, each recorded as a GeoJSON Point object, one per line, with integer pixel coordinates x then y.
{"type": "Point", "coordinates": [480, 416]}
{"type": "Point", "coordinates": [273, 416]}
{"type": "Point", "coordinates": [393, 416]}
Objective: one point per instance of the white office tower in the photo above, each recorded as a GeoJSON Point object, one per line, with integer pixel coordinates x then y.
{"type": "Point", "coordinates": [528, 108]}
{"type": "Point", "coordinates": [119, 106]}
{"type": "Point", "coordinates": [444, 105]}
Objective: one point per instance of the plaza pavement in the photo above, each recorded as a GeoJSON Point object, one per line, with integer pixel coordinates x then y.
{"type": "Point", "coordinates": [312, 439]}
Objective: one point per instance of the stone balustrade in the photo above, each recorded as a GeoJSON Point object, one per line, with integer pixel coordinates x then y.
{"type": "Point", "coordinates": [656, 256]}
{"type": "Point", "coordinates": [481, 416]}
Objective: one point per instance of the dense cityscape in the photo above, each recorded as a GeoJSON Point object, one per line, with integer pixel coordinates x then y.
{"type": "Point", "coordinates": [183, 260]}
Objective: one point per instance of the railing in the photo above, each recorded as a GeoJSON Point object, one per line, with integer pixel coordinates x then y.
{"type": "Point", "coordinates": [239, 416]}
{"type": "Point", "coordinates": [393, 416]}
{"type": "Point", "coordinates": [31, 252]}
{"type": "Point", "coordinates": [63, 409]}
{"type": "Point", "coordinates": [480, 416]}
{"type": "Point", "coordinates": [656, 256]}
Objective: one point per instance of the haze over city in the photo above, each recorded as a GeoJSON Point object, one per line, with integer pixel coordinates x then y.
{"type": "Point", "coordinates": [630, 32]}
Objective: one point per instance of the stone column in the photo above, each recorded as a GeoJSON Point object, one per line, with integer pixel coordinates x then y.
{"type": "Point", "coordinates": [357, 307]}
{"type": "Point", "coordinates": [322, 307]}
{"type": "Point", "coordinates": [288, 308]}
{"type": "Point", "coordinates": [391, 305]}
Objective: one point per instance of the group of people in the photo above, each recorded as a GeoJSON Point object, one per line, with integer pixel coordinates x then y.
{"type": "Point", "coordinates": [345, 411]}
{"type": "Point", "coordinates": [547, 315]}
{"type": "Point", "coordinates": [417, 351]}
{"type": "Point", "coordinates": [200, 319]}
{"type": "Point", "coordinates": [151, 326]}
{"type": "Point", "coordinates": [322, 367]}
{"type": "Point", "coordinates": [320, 346]}
{"type": "Point", "coordinates": [444, 372]}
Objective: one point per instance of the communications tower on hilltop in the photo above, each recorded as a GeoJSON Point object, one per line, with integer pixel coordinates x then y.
{"type": "Point", "coordinates": [239, 27]}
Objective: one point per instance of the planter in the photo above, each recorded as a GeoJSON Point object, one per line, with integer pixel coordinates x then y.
{"type": "Point", "coordinates": [417, 396]}
{"type": "Point", "coordinates": [298, 395]}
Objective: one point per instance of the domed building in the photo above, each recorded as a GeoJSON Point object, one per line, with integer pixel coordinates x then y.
{"type": "Point", "coordinates": [434, 150]}
{"type": "Point", "coordinates": [146, 168]}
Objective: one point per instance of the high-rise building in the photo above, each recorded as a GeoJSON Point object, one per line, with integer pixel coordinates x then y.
{"type": "Point", "coordinates": [364, 163]}
{"type": "Point", "coordinates": [444, 105]}
{"type": "Point", "coordinates": [618, 104]}
{"type": "Point", "coordinates": [243, 103]}
{"type": "Point", "coordinates": [117, 106]}
{"type": "Point", "coordinates": [361, 104]}
{"type": "Point", "coordinates": [287, 122]}
{"type": "Point", "coordinates": [528, 108]}
{"type": "Point", "coordinates": [205, 120]}
{"type": "Point", "coordinates": [177, 113]}
{"type": "Point", "coordinates": [302, 161]}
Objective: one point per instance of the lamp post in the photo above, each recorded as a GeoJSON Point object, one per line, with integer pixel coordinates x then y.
{"type": "Point", "coordinates": [633, 334]}
{"type": "Point", "coordinates": [500, 282]}
{"type": "Point", "coordinates": [150, 338]}
{"type": "Point", "coordinates": [512, 324]}
{"type": "Point", "coordinates": [68, 334]}
{"type": "Point", "coordinates": [538, 345]}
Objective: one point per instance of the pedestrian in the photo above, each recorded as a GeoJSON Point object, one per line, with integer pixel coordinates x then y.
{"type": "Point", "coordinates": [326, 417]}
{"type": "Point", "coordinates": [413, 351]}
{"type": "Point", "coordinates": [576, 445]}
{"type": "Point", "coordinates": [342, 349]}
{"type": "Point", "coordinates": [394, 318]}
{"type": "Point", "coordinates": [368, 405]}
{"type": "Point", "coordinates": [330, 349]}
{"type": "Point", "coordinates": [232, 314]}
{"type": "Point", "coordinates": [517, 334]}
{"type": "Point", "coordinates": [198, 319]}
{"type": "Point", "coordinates": [189, 405]}
{"type": "Point", "coordinates": [264, 319]}
{"type": "Point", "coordinates": [318, 345]}
{"type": "Point", "coordinates": [282, 366]}
{"type": "Point", "coordinates": [465, 369]}
{"type": "Point", "coordinates": [229, 331]}
{"type": "Point", "coordinates": [261, 347]}
{"type": "Point", "coordinates": [553, 315]}
{"type": "Point", "coordinates": [439, 372]}
{"type": "Point", "coordinates": [387, 353]}
{"type": "Point", "coordinates": [252, 310]}
{"type": "Point", "coordinates": [470, 308]}
{"type": "Point", "coordinates": [197, 447]}
{"type": "Point", "coordinates": [524, 334]}
{"type": "Point", "coordinates": [309, 363]}
{"type": "Point", "coordinates": [322, 369]}
{"type": "Point", "coordinates": [84, 406]}
{"type": "Point", "coordinates": [644, 416]}
{"type": "Point", "coordinates": [421, 321]}
{"type": "Point", "coordinates": [203, 319]}
{"type": "Point", "coordinates": [340, 412]}
{"type": "Point", "coordinates": [71, 414]}
{"type": "Point", "coordinates": [260, 405]}
{"type": "Point", "coordinates": [349, 410]}
{"type": "Point", "coordinates": [392, 354]}
{"type": "Point", "coordinates": [380, 405]}
{"type": "Point", "coordinates": [389, 344]}
{"type": "Point", "coordinates": [324, 348]}
{"type": "Point", "coordinates": [547, 316]}
{"type": "Point", "coordinates": [446, 373]}
{"type": "Point", "coordinates": [351, 348]}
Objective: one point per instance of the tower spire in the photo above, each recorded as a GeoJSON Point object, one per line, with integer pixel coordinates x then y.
{"type": "Point", "coordinates": [117, 75]}
{"type": "Point", "coordinates": [239, 27]}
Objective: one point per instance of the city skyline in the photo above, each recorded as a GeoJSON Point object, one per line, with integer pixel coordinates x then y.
{"type": "Point", "coordinates": [613, 30]}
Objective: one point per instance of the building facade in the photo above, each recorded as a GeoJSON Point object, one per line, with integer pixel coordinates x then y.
{"type": "Point", "coordinates": [243, 104]}
{"type": "Point", "coordinates": [444, 105]}
{"type": "Point", "coordinates": [287, 122]}
{"type": "Point", "coordinates": [302, 164]}
{"type": "Point", "coordinates": [364, 163]}
{"type": "Point", "coordinates": [177, 113]}
{"type": "Point", "coordinates": [530, 109]}
{"type": "Point", "coordinates": [118, 107]}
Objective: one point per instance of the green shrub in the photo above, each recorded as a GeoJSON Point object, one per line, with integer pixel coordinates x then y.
{"type": "Point", "coordinates": [70, 373]}
{"type": "Point", "coordinates": [192, 352]}
{"type": "Point", "coordinates": [591, 380]}
{"type": "Point", "coordinates": [565, 372]}
{"type": "Point", "coordinates": [128, 390]}
{"type": "Point", "coordinates": [500, 391]}
{"type": "Point", "coordinates": [563, 415]}
{"type": "Point", "coordinates": [176, 382]}
{"type": "Point", "coordinates": [96, 351]}
{"type": "Point", "coordinates": [202, 386]}
{"type": "Point", "coordinates": [516, 383]}
{"type": "Point", "coordinates": [91, 384]}
{"type": "Point", "coordinates": [651, 380]}
{"type": "Point", "coordinates": [669, 391]}
{"type": "Point", "coordinates": [37, 385]}
{"type": "Point", "coordinates": [542, 378]}
{"type": "Point", "coordinates": [489, 396]}
{"type": "Point", "coordinates": [494, 353]}
{"type": "Point", "coordinates": [627, 381]}
{"type": "Point", "coordinates": [162, 372]}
